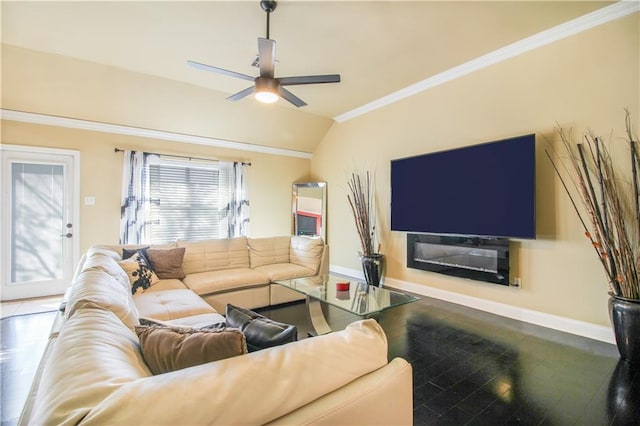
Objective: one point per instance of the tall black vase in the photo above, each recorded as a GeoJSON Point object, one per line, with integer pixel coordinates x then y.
{"type": "Point", "coordinates": [373, 268]}
{"type": "Point", "coordinates": [625, 317]}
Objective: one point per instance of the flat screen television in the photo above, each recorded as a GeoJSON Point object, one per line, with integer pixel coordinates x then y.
{"type": "Point", "coordinates": [483, 190]}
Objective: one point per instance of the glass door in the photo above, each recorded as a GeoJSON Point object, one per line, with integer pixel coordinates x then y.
{"type": "Point", "coordinates": [39, 210]}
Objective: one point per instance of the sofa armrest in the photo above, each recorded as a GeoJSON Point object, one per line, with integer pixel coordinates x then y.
{"type": "Point", "coordinates": [382, 397]}
{"type": "Point", "coordinates": [251, 389]}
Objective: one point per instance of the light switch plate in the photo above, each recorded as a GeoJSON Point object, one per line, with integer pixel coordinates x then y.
{"type": "Point", "coordinates": [89, 201]}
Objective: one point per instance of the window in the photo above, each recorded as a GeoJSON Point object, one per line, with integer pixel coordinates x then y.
{"type": "Point", "coordinates": [188, 201]}
{"type": "Point", "coordinates": [165, 199]}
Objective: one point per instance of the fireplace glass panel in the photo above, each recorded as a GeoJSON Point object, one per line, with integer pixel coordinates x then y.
{"type": "Point", "coordinates": [478, 258]}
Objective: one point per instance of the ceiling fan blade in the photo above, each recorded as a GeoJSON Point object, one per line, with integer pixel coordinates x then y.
{"type": "Point", "coordinates": [288, 96]}
{"type": "Point", "coordinates": [242, 94]}
{"type": "Point", "coordinates": [267, 55]}
{"type": "Point", "coordinates": [211, 68]}
{"type": "Point", "coordinates": [309, 79]}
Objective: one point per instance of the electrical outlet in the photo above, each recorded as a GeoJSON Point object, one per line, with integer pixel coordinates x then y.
{"type": "Point", "coordinates": [89, 201]}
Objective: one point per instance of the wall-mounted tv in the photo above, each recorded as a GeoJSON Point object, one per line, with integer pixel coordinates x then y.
{"type": "Point", "coordinates": [485, 190]}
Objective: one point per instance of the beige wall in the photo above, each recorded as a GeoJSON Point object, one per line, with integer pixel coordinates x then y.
{"type": "Point", "coordinates": [101, 174]}
{"type": "Point", "coordinates": [584, 81]}
{"type": "Point", "coordinates": [56, 85]}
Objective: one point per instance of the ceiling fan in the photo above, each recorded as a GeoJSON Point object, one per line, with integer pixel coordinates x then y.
{"type": "Point", "coordinates": [267, 88]}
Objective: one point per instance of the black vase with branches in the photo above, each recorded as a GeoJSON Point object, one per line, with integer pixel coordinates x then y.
{"type": "Point", "coordinates": [610, 216]}
{"type": "Point", "coordinates": [362, 203]}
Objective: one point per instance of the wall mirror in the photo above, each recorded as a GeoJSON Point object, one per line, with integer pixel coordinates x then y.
{"type": "Point", "coordinates": [309, 209]}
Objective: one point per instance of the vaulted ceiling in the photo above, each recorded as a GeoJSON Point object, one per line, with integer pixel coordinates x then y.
{"type": "Point", "coordinates": [378, 47]}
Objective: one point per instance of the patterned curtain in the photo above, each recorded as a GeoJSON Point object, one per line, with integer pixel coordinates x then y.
{"type": "Point", "coordinates": [135, 203]}
{"type": "Point", "coordinates": [238, 207]}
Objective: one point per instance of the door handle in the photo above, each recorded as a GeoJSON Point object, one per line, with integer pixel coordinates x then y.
{"type": "Point", "coordinates": [67, 235]}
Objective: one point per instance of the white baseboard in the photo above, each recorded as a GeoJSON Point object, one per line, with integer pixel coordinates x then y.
{"type": "Point", "coordinates": [567, 325]}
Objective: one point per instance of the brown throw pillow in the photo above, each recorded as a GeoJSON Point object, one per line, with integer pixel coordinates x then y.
{"type": "Point", "coordinates": [166, 349]}
{"type": "Point", "coordinates": [167, 263]}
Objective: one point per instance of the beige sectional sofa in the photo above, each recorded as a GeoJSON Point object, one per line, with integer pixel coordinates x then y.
{"type": "Point", "coordinates": [241, 271]}
{"type": "Point", "coordinates": [93, 370]}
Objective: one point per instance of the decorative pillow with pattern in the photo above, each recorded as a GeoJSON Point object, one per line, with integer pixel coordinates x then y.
{"type": "Point", "coordinates": [141, 276]}
{"type": "Point", "coordinates": [127, 253]}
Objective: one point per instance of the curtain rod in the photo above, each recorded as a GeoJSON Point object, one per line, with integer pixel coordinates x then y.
{"type": "Point", "coordinates": [183, 156]}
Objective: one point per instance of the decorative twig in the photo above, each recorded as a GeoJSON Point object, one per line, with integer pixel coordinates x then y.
{"type": "Point", "coordinates": [613, 224]}
{"type": "Point", "coordinates": [361, 202]}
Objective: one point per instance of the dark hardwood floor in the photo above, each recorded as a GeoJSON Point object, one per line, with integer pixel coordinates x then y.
{"type": "Point", "coordinates": [469, 367]}
{"type": "Point", "coordinates": [474, 368]}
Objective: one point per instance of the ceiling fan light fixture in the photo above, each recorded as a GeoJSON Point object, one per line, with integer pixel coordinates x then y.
{"type": "Point", "coordinates": [266, 97]}
{"type": "Point", "coordinates": [267, 90]}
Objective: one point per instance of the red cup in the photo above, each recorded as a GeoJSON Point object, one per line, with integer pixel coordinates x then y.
{"type": "Point", "coordinates": [343, 286]}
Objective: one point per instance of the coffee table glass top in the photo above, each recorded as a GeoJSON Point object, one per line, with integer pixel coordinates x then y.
{"type": "Point", "coordinates": [361, 299]}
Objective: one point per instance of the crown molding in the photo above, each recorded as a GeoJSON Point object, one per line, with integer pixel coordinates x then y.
{"type": "Point", "coordinates": [601, 16]}
{"type": "Point", "coordinates": [96, 126]}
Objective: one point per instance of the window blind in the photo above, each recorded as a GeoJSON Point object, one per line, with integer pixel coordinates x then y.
{"type": "Point", "coordinates": [188, 201]}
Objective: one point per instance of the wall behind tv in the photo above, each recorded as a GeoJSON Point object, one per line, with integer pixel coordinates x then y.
{"type": "Point", "coordinates": [584, 81]}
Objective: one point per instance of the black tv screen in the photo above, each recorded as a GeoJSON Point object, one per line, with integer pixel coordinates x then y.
{"type": "Point", "coordinates": [484, 190]}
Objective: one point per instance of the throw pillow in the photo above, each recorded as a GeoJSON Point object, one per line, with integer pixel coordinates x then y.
{"type": "Point", "coordinates": [127, 253]}
{"type": "Point", "coordinates": [166, 349]}
{"type": "Point", "coordinates": [141, 276]}
{"type": "Point", "coordinates": [260, 332]}
{"type": "Point", "coordinates": [167, 264]}
{"type": "Point", "coordinates": [154, 322]}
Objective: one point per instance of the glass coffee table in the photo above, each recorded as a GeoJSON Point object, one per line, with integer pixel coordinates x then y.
{"type": "Point", "coordinates": [360, 299]}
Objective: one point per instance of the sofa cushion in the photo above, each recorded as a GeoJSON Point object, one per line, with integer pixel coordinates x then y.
{"type": "Point", "coordinates": [171, 284]}
{"type": "Point", "coordinates": [141, 276]}
{"type": "Point", "coordinates": [167, 263]}
{"type": "Point", "coordinates": [101, 262]}
{"type": "Point", "coordinates": [306, 252]}
{"type": "Point", "coordinates": [225, 280]}
{"type": "Point", "coordinates": [114, 254]}
{"type": "Point", "coordinates": [97, 289]}
{"type": "Point", "coordinates": [214, 255]}
{"type": "Point", "coordinates": [259, 331]}
{"type": "Point", "coordinates": [285, 271]}
{"type": "Point", "coordinates": [266, 251]}
{"type": "Point", "coordinates": [94, 355]}
{"type": "Point", "coordinates": [167, 349]}
{"type": "Point", "coordinates": [171, 304]}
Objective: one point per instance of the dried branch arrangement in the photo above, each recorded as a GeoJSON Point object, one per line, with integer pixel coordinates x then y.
{"type": "Point", "coordinates": [611, 215]}
{"type": "Point", "coordinates": [361, 201]}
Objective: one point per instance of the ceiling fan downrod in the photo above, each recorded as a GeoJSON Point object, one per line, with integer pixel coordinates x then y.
{"type": "Point", "coordinates": [268, 6]}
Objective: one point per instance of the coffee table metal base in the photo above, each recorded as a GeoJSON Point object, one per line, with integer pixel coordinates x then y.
{"type": "Point", "coordinates": [318, 320]}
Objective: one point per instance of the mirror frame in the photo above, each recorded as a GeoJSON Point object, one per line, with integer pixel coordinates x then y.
{"type": "Point", "coordinates": [323, 208]}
